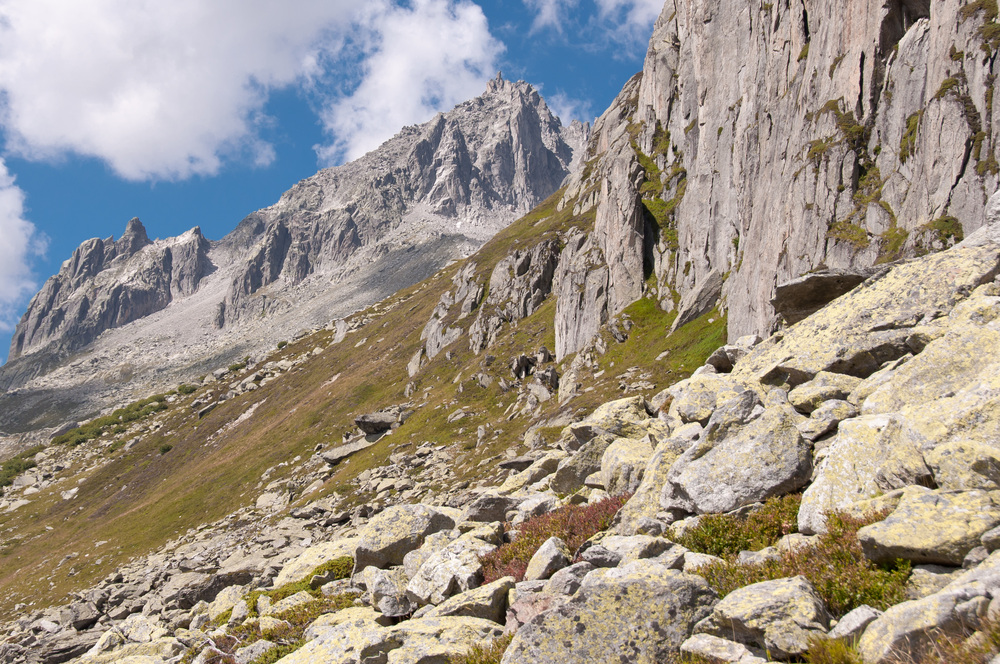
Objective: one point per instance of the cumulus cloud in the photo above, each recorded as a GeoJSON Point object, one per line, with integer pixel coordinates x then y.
{"type": "Point", "coordinates": [633, 18]}
{"type": "Point", "coordinates": [549, 13]}
{"type": "Point", "coordinates": [569, 109]}
{"type": "Point", "coordinates": [415, 60]}
{"type": "Point", "coordinates": [155, 89]}
{"type": "Point", "coordinates": [19, 244]}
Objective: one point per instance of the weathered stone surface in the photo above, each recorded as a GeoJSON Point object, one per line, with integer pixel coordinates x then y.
{"type": "Point", "coordinates": [388, 591]}
{"type": "Point", "coordinates": [965, 466]}
{"type": "Point", "coordinates": [749, 464]}
{"type": "Point", "coordinates": [571, 473]}
{"type": "Point", "coordinates": [551, 556]}
{"type": "Point", "coordinates": [432, 640]}
{"type": "Point", "coordinates": [696, 398]}
{"type": "Point", "coordinates": [719, 651]}
{"type": "Point", "coordinates": [641, 612]}
{"type": "Point", "coordinates": [870, 324]}
{"type": "Point", "coordinates": [699, 300]}
{"type": "Point", "coordinates": [542, 467]}
{"type": "Point", "coordinates": [567, 580]}
{"type": "Point", "coordinates": [377, 422]}
{"type": "Point", "coordinates": [351, 614]}
{"type": "Point", "coordinates": [391, 534]}
{"type": "Point", "coordinates": [354, 642]}
{"type": "Point", "coordinates": [255, 650]}
{"type": "Point", "coordinates": [868, 456]}
{"type": "Point", "coordinates": [454, 569]}
{"type": "Point", "coordinates": [779, 616]}
{"type": "Point", "coordinates": [297, 568]}
{"type": "Point", "coordinates": [488, 602]}
{"type": "Point", "coordinates": [616, 550]}
{"type": "Point", "coordinates": [803, 296]}
{"type": "Point", "coordinates": [826, 419]}
{"type": "Point", "coordinates": [624, 463]}
{"type": "Point", "coordinates": [645, 503]}
{"type": "Point", "coordinates": [911, 629]}
{"type": "Point", "coordinates": [810, 395]}
{"type": "Point", "coordinates": [853, 624]}
{"type": "Point", "coordinates": [932, 527]}
{"type": "Point", "coordinates": [340, 452]}
{"type": "Point", "coordinates": [490, 506]}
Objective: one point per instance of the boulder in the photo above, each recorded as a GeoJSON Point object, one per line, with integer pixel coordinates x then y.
{"type": "Point", "coordinates": [357, 641]}
{"type": "Point", "coordinates": [567, 580]}
{"type": "Point", "coordinates": [826, 419]}
{"type": "Point", "coordinates": [623, 464]}
{"type": "Point", "coordinates": [910, 630]}
{"type": "Point", "coordinates": [640, 612]}
{"type": "Point", "coordinates": [393, 533]}
{"type": "Point", "coordinates": [454, 569]}
{"type": "Point", "coordinates": [932, 527]}
{"type": "Point", "coordinates": [779, 616]}
{"type": "Point", "coordinates": [869, 455]}
{"type": "Point", "coordinates": [298, 567]}
{"type": "Point", "coordinates": [870, 325]}
{"type": "Point", "coordinates": [377, 422]}
{"type": "Point", "coordinates": [965, 466]}
{"type": "Point", "coordinates": [489, 507]}
{"type": "Point", "coordinates": [708, 648]}
{"type": "Point", "coordinates": [854, 623]}
{"type": "Point", "coordinates": [488, 602]}
{"type": "Point", "coordinates": [571, 473]}
{"type": "Point", "coordinates": [551, 556]}
{"type": "Point", "coordinates": [803, 296]}
{"type": "Point", "coordinates": [744, 465]}
{"type": "Point", "coordinates": [388, 591]}
{"type": "Point", "coordinates": [337, 454]}
{"type": "Point", "coordinates": [697, 397]}
{"type": "Point", "coordinates": [826, 386]}
{"type": "Point", "coordinates": [440, 639]}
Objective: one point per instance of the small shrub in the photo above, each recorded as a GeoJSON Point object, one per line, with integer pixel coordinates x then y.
{"type": "Point", "coordinates": [282, 344]}
{"type": "Point", "coordinates": [827, 651]}
{"type": "Point", "coordinates": [17, 465]}
{"type": "Point", "coordinates": [486, 653]}
{"type": "Point", "coordinates": [574, 524]}
{"type": "Point", "coordinates": [722, 535]}
{"type": "Point", "coordinates": [835, 566]}
{"type": "Point", "coordinates": [165, 448]}
{"type": "Point", "coordinates": [184, 388]}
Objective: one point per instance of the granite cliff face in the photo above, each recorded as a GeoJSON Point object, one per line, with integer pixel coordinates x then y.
{"type": "Point", "coordinates": [335, 242]}
{"type": "Point", "coordinates": [844, 135]}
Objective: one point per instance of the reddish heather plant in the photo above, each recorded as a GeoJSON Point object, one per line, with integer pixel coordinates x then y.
{"type": "Point", "coordinates": [574, 524]}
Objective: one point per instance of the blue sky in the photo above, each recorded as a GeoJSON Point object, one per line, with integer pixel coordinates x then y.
{"type": "Point", "coordinates": [197, 112]}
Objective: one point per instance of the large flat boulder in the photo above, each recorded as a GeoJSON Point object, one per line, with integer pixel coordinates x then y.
{"type": "Point", "coordinates": [393, 533]}
{"type": "Point", "coordinates": [642, 612]}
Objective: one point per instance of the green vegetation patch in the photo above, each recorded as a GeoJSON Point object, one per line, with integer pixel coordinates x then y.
{"type": "Point", "coordinates": [724, 535]}
{"type": "Point", "coordinates": [486, 653]}
{"type": "Point", "coordinates": [114, 422]}
{"type": "Point", "coordinates": [909, 138]}
{"type": "Point", "coordinates": [835, 565]}
{"type": "Point", "coordinates": [15, 466]}
{"type": "Point", "coordinates": [946, 229]}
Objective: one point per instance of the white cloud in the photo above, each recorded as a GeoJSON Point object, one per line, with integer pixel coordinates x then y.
{"type": "Point", "coordinates": [415, 60]}
{"type": "Point", "coordinates": [156, 89]}
{"type": "Point", "coordinates": [19, 243]}
{"type": "Point", "coordinates": [632, 17]}
{"type": "Point", "coordinates": [569, 109]}
{"type": "Point", "coordinates": [549, 13]}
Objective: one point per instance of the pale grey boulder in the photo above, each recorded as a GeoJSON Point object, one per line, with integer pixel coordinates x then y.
{"type": "Point", "coordinates": [850, 627]}
{"type": "Point", "coordinates": [779, 616]}
{"type": "Point", "coordinates": [572, 472]}
{"type": "Point", "coordinates": [567, 580]}
{"type": "Point", "coordinates": [911, 629]}
{"type": "Point", "coordinates": [764, 458]}
{"type": "Point", "coordinates": [393, 533]}
{"type": "Point", "coordinates": [488, 602]}
{"type": "Point", "coordinates": [387, 588]}
{"type": "Point", "coordinates": [825, 386]}
{"type": "Point", "coordinates": [551, 556]}
{"type": "Point", "coordinates": [719, 651]}
{"type": "Point", "coordinates": [641, 612]}
{"type": "Point", "coordinates": [624, 463]}
{"type": "Point", "coordinates": [826, 419]}
{"type": "Point", "coordinates": [932, 527]}
{"type": "Point", "coordinates": [454, 569]}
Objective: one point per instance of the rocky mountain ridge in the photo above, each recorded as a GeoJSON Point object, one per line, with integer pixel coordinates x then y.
{"type": "Point", "coordinates": [334, 243]}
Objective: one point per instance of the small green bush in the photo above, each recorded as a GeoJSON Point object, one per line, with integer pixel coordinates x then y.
{"type": "Point", "coordinates": [282, 344]}
{"type": "Point", "coordinates": [722, 535]}
{"type": "Point", "coordinates": [184, 388]}
{"type": "Point", "coordinates": [835, 566]}
{"type": "Point", "coordinates": [18, 464]}
{"type": "Point", "coordinates": [165, 448]}
{"type": "Point", "coordinates": [574, 524]}
{"type": "Point", "coordinates": [486, 653]}
{"type": "Point", "coordinates": [827, 651]}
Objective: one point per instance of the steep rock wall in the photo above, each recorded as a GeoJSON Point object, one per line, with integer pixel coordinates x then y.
{"type": "Point", "coordinates": [775, 138]}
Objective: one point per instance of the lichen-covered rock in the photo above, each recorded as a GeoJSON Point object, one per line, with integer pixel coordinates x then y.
{"type": "Point", "coordinates": [826, 419]}
{"type": "Point", "coordinates": [706, 647]}
{"type": "Point", "coordinates": [571, 473]}
{"type": "Point", "coordinates": [850, 628]}
{"type": "Point", "coordinates": [965, 466]}
{"type": "Point", "coordinates": [352, 642]}
{"type": "Point", "coordinates": [550, 557]}
{"type": "Point", "coordinates": [393, 533]}
{"type": "Point", "coordinates": [440, 639]}
{"type": "Point", "coordinates": [932, 527]}
{"type": "Point", "coordinates": [638, 613]}
{"type": "Point", "coordinates": [454, 569]}
{"type": "Point", "coordinates": [766, 457]}
{"type": "Point", "coordinates": [810, 395]}
{"type": "Point", "coordinates": [297, 568]}
{"type": "Point", "coordinates": [870, 324]}
{"type": "Point", "coordinates": [696, 398]}
{"type": "Point", "coordinates": [779, 616]}
{"type": "Point", "coordinates": [623, 464]}
{"type": "Point", "coordinates": [645, 502]}
{"type": "Point", "coordinates": [488, 602]}
{"type": "Point", "coordinates": [868, 456]}
{"type": "Point", "coordinates": [908, 631]}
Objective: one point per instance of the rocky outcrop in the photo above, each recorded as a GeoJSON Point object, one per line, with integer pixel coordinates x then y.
{"type": "Point", "coordinates": [860, 132]}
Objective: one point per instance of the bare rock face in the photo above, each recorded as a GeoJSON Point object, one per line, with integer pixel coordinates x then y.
{"type": "Point", "coordinates": [856, 133]}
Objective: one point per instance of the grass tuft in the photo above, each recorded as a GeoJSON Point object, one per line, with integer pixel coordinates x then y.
{"type": "Point", "coordinates": [486, 653]}
{"type": "Point", "coordinates": [723, 535]}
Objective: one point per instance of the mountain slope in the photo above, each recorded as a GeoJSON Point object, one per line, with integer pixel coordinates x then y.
{"type": "Point", "coordinates": [130, 316]}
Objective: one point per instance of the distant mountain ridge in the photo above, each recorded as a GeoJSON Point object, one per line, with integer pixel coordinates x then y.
{"type": "Point", "coordinates": [135, 311]}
